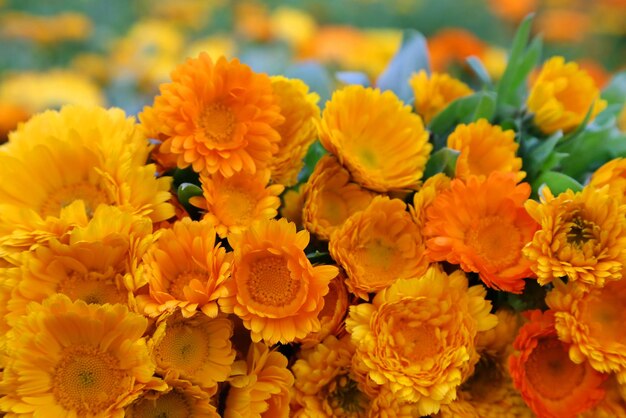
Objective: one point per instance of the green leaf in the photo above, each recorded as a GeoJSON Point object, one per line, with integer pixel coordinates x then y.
{"type": "Point", "coordinates": [557, 182]}
{"type": "Point", "coordinates": [313, 155]}
{"type": "Point", "coordinates": [535, 158]}
{"type": "Point", "coordinates": [615, 91]}
{"type": "Point", "coordinates": [410, 58]}
{"type": "Point", "coordinates": [479, 69]}
{"type": "Point", "coordinates": [464, 110]}
{"type": "Point", "coordinates": [186, 175]}
{"type": "Point", "coordinates": [186, 191]}
{"type": "Point", "coordinates": [442, 161]}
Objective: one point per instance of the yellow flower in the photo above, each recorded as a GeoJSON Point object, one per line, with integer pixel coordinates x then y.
{"type": "Point", "coordinates": [324, 387]}
{"type": "Point", "coordinates": [215, 45]}
{"type": "Point", "coordinates": [293, 203]}
{"type": "Point", "coordinates": [458, 409]}
{"type": "Point", "coordinates": [299, 108]}
{"type": "Point", "coordinates": [233, 203]}
{"type": "Point", "coordinates": [417, 336]}
{"type": "Point", "coordinates": [435, 92]}
{"type": "Point", "coordinates": [582, 236]}
{"type": "Point", "coordinates": [179, 400]}
{"type": "Point", "coordinates": [387, 405]}
{"type": "Point", "coordinates": [561, 96]}
{"type": "Point", "coordinates": [72, 359]}
{"type": "Point", "coordinates": [330, 198]}
{"type": "Point", "coordinates": [66, 26]}
{"type": "Point", "coordinates": [376, 137]}
{"type": "Point", "coordinates": [378, 246]}
{"type": "Point", "coordinates": [185, 269]}
{"type": "Point", "coordinates": [426, 195]}
{"type": "Point", "coordinates": [485, 148]}
{"type": "Point", "coordinates": [293, 26]}
{"type": "Point", "coordinates": [9, 279]}
{"type": "Point", "coordinates": [274, 288]}
{"type": "Point", "coordinates": [216, 116]}
{"type": "Point", "coordinates": [197, 349]}
{"type": "Point", "coordinates": [613, 174]}
{"type": "Point", "coordinates": [10, 115]}
{"type": "Point", "coordinates": [259, 387]}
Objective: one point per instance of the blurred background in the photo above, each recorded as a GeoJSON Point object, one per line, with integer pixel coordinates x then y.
{"type": "Point", "coordinates": [116, 52]}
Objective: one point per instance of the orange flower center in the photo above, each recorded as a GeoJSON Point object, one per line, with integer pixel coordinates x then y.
{"type": "Point", "coordinates": [496, 241]}
{"type": "Point", "coordinates": [177, 286]}
{"type": "Point", "coordinates": [550, 371]}
{"type": "Point", "coordinates": [333, 208]}
{"type": "Point", "coordinates": [236, 206]}
{"type": "Point", "coordinates": [270, 281]}
{"type": "Point", "coordinates": [92, 287]}
{"type": "Point", "coordinates": [91, 195]}
{"type": "Point", "coordinates": [605, 310]}
{"type": "Point", "coordinates": [184, 348]}
{"type": "Point", "coordinates": [417, 341]}
{"type": "Point", "coordinates": [173, 404]}
{"type": "Point", "coordinates": [87, 380]}
{"type": "Point", "coordinates": [379, 259]}
{"type": "Point", "coordinates": [218, 123]}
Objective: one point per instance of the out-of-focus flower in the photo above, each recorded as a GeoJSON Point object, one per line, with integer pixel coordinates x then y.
{"type": "Point", "coordinates": [596, 71]}
{"type": "Point", "coordinates": [612, 406]}
{"type": "Point", "coordinates": [186, 13]}
{"type": "Point", "coordinates": [387, 150]}
{"type": "Point", "coordinates": [274, 288]}
{"type": "Point", "coordinates": [10, 115]}
{"type": "Point", "coordinates": [66, 26]}
{"type": "Point", "coordinates": [374, 53]}
{"type": "Point", "coordinates": [550, 383]}
{"type": "Point", "coordinates": [293, 26]}
{"type": "Point", "coordinates": [460, 408]}
{"type": "Point", "coordinates": [330, 198]}
{"type": "Point", "coordinates": [482, 226]}
{"type": "Point", "coordinates": [495, 60]}
{"type": "Point", "coordinates": [563, 25]}
{"type": "Point", "coordinates": [229, 120]}
{"type": "Point", "coordinates": [95, 66]}
{"type": "Point", "coordinates": [217, 45]}
{"type": "Point", "coordinates": [293, 202]}
{"type": "Point", "coordinates": [452, 46]}
{"type": "Point", "coordinates": [512, 10]}
{"type": "Point", "coordinates": [562, 95]}
{"type": "Point", "coordinates": [387, 405]}
{"type": "Point", "coordinates": [179, 399]}
{"type": "Point", "coordinates": [613, 175]}
{"type": "Point", "coordinates": [621, 119]}
{"type": "Point", "coordinates": [433, 93]}
{"type": "Point", "coordinates": [252, 20]}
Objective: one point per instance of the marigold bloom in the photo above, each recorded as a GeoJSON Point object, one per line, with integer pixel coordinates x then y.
{"type": "Point", "coordinates": [435, 92]}
{"type": "Point", "coordinates": [452, 46]}
{"type": "Point", "coordinates": [582, 237]}
{"type": "Point", "coordinates": [330, 198]}
{"type": "Point", "coordinates": [185, 269]}
{"type": "Point", "coordinates": [177, 401]}
{"type": "Point", "coordinates": [233, 203]}
{"type": "Point", "coordinates": [426, 195]}
{"type": "Point", "coordinates": [612, 406]}
{"type": "Point", "coordinates": [485, 148]}
{"type": "Point", "coordinates": [10, 115]}
{"type": "Point", "coordinates": [376, 137]}
{"type": "Point", "coordinates": [324, 387]}
{"type": "Point", "coordinates": [72, 359]}
{"type": "Point", "coordinates": [386, 405]}
{"type": "Point", "coordinates": [482, 226]}
{"type": "Point", "coordinates": [378, 246]}
{"type": "Point", "coordinates": [550, 383]}
{"type": "Point", "coordinates": [561, 96]}
{"type": "Point", "coordinates": [216, 116]}
{"type": "Point", "coordinates": [512, 10]}
{"type": "Point", "coordinates": [613, 174]}
{"type": "Point", "coordinates": [259, 387]}
{"type": "Point", "coordinates": [299, 108]}
{"type": "Point", "coordinates": [293, 203]}
{"type": "Point", "coordinates": [273, 288]}
{"type": "Point", "coordinates": [45, 29]}
{"type": "Point", "coordinates": [417, 336]}
{"type": "Point", "coordinates": [197, 349]}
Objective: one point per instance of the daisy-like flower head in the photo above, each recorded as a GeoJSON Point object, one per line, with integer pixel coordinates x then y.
{"type": "Point", "coordinates": [485, 148]}
{"type": "Point", "coordinates": [613, 174]}
{"type": "Point", "coordinates": [417, 337]}
{"type": "Point", "coordinates": [378, 246]}
{"type": "Point", "coordinates": [216, 116]}
{"type": "Point", "coordinates": [386, 405]}
{"type": "Point", "coordinates": [582, 236]}
{"type": "Point", "coordinates": [426, 195]}
{"type": "Point", "coordinates": [330, 198]}
{"type": "Point", "coordinates": [433, 93]}
{"type": "Point", "coordinates": [72, 359]}
{"type": "Point", "coordinates": [299, 108]}
{"type": "Point", "coordinates": [233, 203]}
{"type": "Point", "coordinates": [561, 96]}
{"type": "Point", "coordinates": [376, 137]}
{"type": "Point", "coordinates": [551, 384]}
{"type": "Point", "coordinates": [274, 288]}
{"type": "Point", "coordinates": [197, 350]}
{"type": "Point", "coordinates": [482, 226]}
{"type": "Point", "coordinates": [184, 269]}
{"type": "Point", "coordinates": [259, 385]}
{"type": "Point", "coordinates": [293, 203]}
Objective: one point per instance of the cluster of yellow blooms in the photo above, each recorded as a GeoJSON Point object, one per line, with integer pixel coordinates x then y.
{"type": "Point", "coordinates": [119, 299]}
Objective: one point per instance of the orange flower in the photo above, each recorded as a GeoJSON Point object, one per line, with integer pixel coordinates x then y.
{"type": "Point", "coordinates": [435, 92]}
{"type": "Point", "coordinates": [425, 196]}
{"type": "Point", "coordinates": [179, 399]}
{"type": "Point", "coordinates": [330, 198]}
{"type": "Point", "coordinates": [274, 288]}
{"type": "Point", "coordinates": [217, 117]}
{"type": "Point", "coordinates": [10, 116]}
{"type": "Point", "coordinates": [293, 202]}
{"type": "Point", "coordinates": [485, 148]}
{"type": "Point", "coordinates": [378, 246]}
{"type": "Point", "coordinates": [613, 174]}
{"type": "Point", "coordinates": [483, 226]}
{"type": "Point", "coordinates": [453, 45]}
{"type": "Point", "coordinates": [512, 10]}
{"type": "Point", "coordinates": [563, 25]}
{"type": "Point", "coordinates": [551, 384]}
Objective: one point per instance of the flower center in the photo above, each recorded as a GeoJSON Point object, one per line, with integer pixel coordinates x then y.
{"type": "Point", "coordinates": [345, 398]}
{"type": "Point", "coordinates": [604, 309]}
{"type": "Point", "coordinates": [183, 348]}
{"type": "Point", "coordinates": [270, 281]}
{"type": "Point", "coordinates": [173, 404]}
{"type": "Point", "coordinates": [333, 208]}
{"type": "Point", "coordinates": [217, 123]}
{"type": "Point", "coordinates": [581, 231]}
{"type": "Point", "coordinates": [237, 207]}
{"type": "Point", "coordinates": [92, 288]}
{"type": "Point", "coordinates": [379, 260]}
{"type": "Point", "coordinates": [496, 241]}
{"type": "Point", "coordinates": [87, 380]}
{"type": "Point", "coordinates": [91, 195]}
{"type": "Point", "coordinates": [178, 285]}
{"type": "Point", "coordinates": [551, 372]}
{"type": "Point", "coordinates": [416, 341]}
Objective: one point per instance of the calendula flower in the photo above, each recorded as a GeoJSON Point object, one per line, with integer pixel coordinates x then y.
{"type": "Point", "coordinates": [482, 226]}
{"type": "Point", "coordinates": [435, 92]}
{"type": "Point", "coordinates": [196, 349]}
{"type": "Point", "coordinates": [562, 95]}
{"type": "Point", "coordinates": [259, 385]}
{"type": "Point", "coordinates": [376, 137]}
{"type": "Point", "coordinates": [512, 10]}
{"type": "Point", "coordinates": [426, 195]}
{"type": "Point", "coordinates": [73, 359]}
{"type": "Point", "coordinates": [551, 384]}
{"type": "Point", "coordinates": [216, 116]}
{"type": "Point", "coordinates": [185, 269]}
{"type": "Point", "coordinates": [10, 115]}
{"type": "Point", "coordinates": [460, 408]}
{"type": "Point", "coordinates": [293, 203]}
{"type": "Point", "coordinates": [613, 175]}
{"type": "Point", "coordinates": [330, 198]}
{"type": "Point", "coordinates": [386, 405]}
{"type": "Point", "coordinates": [485, 148]}
{"type": "Point", "coordinates": [453, 46]}
{"type": "Point", "coordinates": [299, 108]}
{"type": "Point", "coordinates": [581, 237]}
{"type": "Point", "coordinates": [612, 406]}
{"type": "Point", "coordinates": [66, 26]}
{"type": "Point", "coordinates": [324, 386]}
{"type": "Point", "coordinates": [274, 288]}
{"type": "Point", "coordinates": [378, 246]}
{"type": "Point", "coordinates": [179, 399]}
{"type": "Point", "coordinates": [233, 203]}
{"type": "Point", "coordinates": [9, 278]}
{"type": "Point", "coordinates": [416, 338]}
